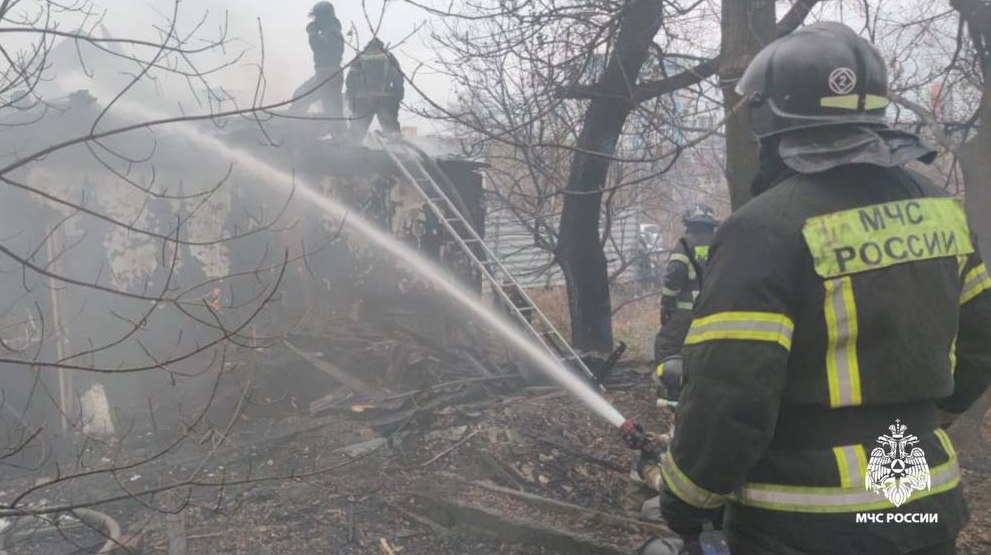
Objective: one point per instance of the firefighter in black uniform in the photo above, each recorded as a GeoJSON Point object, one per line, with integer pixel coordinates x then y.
{"type": "Point", "coordinates": [327, 43]}
{"type": "Point", "coordinates": [844, 322]}
{"type": "Point", "coordinates": [375, 87]}
{"type": "Point", "coordinates": [682, 282]}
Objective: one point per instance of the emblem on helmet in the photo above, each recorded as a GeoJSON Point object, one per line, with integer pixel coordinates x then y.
{"type": "Point", "coordinates": [842, 80]}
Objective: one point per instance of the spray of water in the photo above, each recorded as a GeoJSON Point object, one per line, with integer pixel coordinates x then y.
{"type": "Point", "coordinates": [275, 177]}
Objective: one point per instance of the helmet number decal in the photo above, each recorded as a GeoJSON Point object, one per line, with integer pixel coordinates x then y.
{"type": "Point", "coordinates": [842, 80]}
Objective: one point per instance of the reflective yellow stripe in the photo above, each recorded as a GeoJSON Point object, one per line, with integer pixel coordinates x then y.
{"type": "Point", "coordinates": [660, 370]}
{"type": "Point", "coordinates": [947, 444]}
{"type": "Point", "coordinates": [961, 264]}
{"type": "Point", "coordinates": [702, 252]}
{"type": "Point", "coordinates": [670, 292]}
{"type": "Point", "coordinates": [845, 102]}
{"type": "Point", "coordinates": [874, 102]}
{"type": "Point", "coordinates": [745, 326]}
{"type": "Point", "coordinates": [852, 102]}
{"type": "Point", "coordinates": [683, 259]}
{"type": "Point", "coordinates": [976, 282]}
{"type": "Point", "coordinates": [839, 499]}
{"type": "Point", "coordinates": [953, 356]}
{"type": "Point", "coordinates": [842, 366]}
{"type": "Point", "coordinates": [687, 490]}
{"type": "Point", "coordinates": [851, 462]}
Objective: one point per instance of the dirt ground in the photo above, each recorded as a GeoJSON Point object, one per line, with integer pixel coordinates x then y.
{"type": "Point", "coordinates": [485, 465]}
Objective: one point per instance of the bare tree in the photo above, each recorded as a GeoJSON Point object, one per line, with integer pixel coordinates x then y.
{"type": "Point", "coordinates": [116, 258]}
{"type": "Point", "coordinates": [600, 77]}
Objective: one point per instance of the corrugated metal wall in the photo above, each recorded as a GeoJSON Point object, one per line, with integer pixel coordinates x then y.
{"type": "Point", "coordinates": [513, 243]}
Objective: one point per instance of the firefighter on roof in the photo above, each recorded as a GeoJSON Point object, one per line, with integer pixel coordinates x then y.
{"type": "Point", "coordinates": [375, 88]}
{"type": "Point", "coordinates": [327, 43]}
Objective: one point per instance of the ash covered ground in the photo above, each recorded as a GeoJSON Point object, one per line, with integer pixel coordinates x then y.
{"type": "Point", "coordinates": [407, 449]}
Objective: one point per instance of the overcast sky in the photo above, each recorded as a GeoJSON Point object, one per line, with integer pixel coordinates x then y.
{"type": "Point", "coordinates": [288, 59]}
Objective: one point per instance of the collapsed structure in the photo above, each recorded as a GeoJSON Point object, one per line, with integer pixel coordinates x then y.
{"type": "Point", "coordinates": [134, 258]}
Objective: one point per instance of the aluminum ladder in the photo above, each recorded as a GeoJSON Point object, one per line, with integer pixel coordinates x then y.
{"type": "Point", "coordinates": [480, 255]}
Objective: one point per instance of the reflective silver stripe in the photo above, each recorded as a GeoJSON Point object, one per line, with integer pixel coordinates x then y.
{"type": "Point", "coordinates": [695, 294]}
{"type": "Point", "coordinates": [670, 292]}
{"type": "Point", "coordinates": [685, 489]}
{"type": "Point", "coordinates": [745, 326]}
{"type": "Point", "coordinates": [842, 365]}
{"type": "Point", "coordinates": [977, 282]}
{"type": "Point", "coordinates": [837, 499]}
{"type": "Point", "coordinates": [685, 305]}
{"type": "Point", "coordinates": [851, 462]}
{"type": "Point", "coordinates": [683, 258]}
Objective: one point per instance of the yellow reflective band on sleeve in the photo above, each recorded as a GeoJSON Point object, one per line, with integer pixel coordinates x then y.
{"type": "Point", "coordinates": [976, 282]}
{"type": "Point", "coordinates": [687, 490]}
{"type": "Point", "coordinates": [742, 326]}
{"type": "Point", "coordinates": [804, 499]}
{"type": "Point", "coordinates": [683, 259]}
{"type": "Point", "coordinates": [660, 370]}
{"type": "Point", "coordinates": [851, 462]}
{"type": "Point", "coordinates": [842, 365]}
{"type": "Point", "coordinates": [883, 235]}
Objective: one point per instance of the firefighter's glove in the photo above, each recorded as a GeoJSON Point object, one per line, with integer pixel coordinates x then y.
{"type": "Point", "coordinates": [686, 520]}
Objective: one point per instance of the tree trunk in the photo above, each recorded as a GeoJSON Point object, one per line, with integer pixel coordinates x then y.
{"type": "Point", "coordinates": [747, 27]}
{"type": "Point", "coordinates": [580, 249]}
{"type": "Point", "coordinates": [976, 167]}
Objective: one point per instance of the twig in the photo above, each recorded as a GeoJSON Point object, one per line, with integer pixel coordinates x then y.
{"type": "Point", "coordinates": [448, 384]}
{"type": "Point", "coordinates": [561, 505]}
{"type": "Point", "coordinates": [440, 455]}
{"type": "Point", "coordinates": [435, 527]}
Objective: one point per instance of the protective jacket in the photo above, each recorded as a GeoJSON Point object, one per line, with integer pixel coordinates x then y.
{"type": "Point", "coordinates": [326, 42]}
{"type": "Point", "coordinates": [680, 290]}
{"type": "Point", "coordinates": [843, 314]}
{"type": "Point", "coordinates": [375, 74]}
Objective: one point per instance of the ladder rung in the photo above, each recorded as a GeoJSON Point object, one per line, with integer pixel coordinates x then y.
{"type": "Point", "coordinates": [428, 187]}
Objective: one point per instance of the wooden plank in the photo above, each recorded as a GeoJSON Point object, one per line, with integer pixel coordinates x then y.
{"type": "Point", "coordinates": [336, 372]}
{"type": "Point", "coordinates": [512, 528]}
{"type": "Point", "coordinates": [562, 506]}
